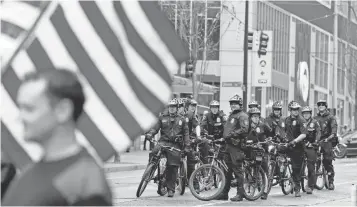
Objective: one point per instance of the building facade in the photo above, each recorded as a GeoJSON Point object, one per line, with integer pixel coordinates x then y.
{"type": "Point", "coordinates": [303, 52]}
{"type": "Point", "coordinates": [305, 65]}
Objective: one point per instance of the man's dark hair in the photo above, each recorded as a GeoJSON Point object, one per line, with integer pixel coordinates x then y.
{"type": "Point", "coordinates": [61, 84]}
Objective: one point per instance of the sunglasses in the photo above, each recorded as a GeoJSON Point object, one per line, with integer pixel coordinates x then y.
{"type": "Point", "coordinates": [320, 104]}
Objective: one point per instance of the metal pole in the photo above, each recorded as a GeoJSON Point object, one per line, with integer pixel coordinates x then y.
{"type": "Point", "coordinates": [335, 56]}
{"type": "Point", "coordinates": [245, 69]}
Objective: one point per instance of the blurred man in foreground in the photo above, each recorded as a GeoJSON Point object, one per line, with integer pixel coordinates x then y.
{"type": "Point", "coordinates": [50, 104]}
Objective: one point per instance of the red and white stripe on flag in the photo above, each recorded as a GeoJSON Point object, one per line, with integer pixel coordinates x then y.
{"type": "Point", "coordinates": [124, 52]}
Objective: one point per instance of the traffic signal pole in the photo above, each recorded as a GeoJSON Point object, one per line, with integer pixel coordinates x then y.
{"type": "Point", "coordinates": [245, 67]}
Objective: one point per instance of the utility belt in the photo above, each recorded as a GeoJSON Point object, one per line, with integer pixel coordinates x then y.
{"type": "Point", "coordinates": [175, 139]}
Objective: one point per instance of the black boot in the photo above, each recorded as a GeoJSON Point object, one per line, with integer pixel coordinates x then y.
{"type": "Point", "coordinates": [297, 193]}
{"type": "Point", "coordinates": [170, 193]}
{"type": "Point", "coordinates": [331, 186]}
{"type": "Point", "coordinates": [264, 196]}
{"type": "Point", "coordinates": [236, 198]}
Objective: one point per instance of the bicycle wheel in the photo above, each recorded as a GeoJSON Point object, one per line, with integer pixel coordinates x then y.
{"type": "Point", "coordinates": [320, 172]}
{"type": "Point", "coordinates": [255, 180]}
{"type": "Point", "coordinates": [286, 181]}
{"type": "Point", "coordinates": [304, 178]}
{"type": "Point", "coordinates": [182, 178]}
{"type": "Point", "coordinates": [202, 181]}
{"type": "Point", "coordinates": [147, 176]}
{"type": "Point", "coordinates": [271, 172]}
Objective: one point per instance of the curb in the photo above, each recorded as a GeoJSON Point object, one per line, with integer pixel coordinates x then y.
{"type": "Point", "coordinates": [124, 168]}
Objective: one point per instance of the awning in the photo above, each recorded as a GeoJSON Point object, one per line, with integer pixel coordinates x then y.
{"type": "Point", "coordinates": [184, 85]}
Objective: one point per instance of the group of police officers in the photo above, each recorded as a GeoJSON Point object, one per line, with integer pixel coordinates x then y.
{"type": "Point", "coordinates": [180, 126]}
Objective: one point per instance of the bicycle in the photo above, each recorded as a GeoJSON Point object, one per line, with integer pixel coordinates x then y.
{"type": "Point", "coordinates": [157, 162]}
{"type": "Point", "coordinates": [283, 175]}
{"type": "Point", "coordinates": [254, 176]}
{"type": "Point", "coordinates": [211, 175]}
{"type": "Point", "coordinates": [320, 171]}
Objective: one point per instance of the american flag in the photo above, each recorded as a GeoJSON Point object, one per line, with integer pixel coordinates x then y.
{"type": "Point", "coordinates": [124, 53]}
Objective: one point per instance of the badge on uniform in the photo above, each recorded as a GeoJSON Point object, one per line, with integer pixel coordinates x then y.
{"type": "Point", "coordinates": [246, 122]}
{"type": "Point", "coordinates": [218, 119]}
{"type": "Point", "coordinates": [164, 121]}
{"type": "Point", "coordinates": [257, 130]}
{"type": "Point", "coordinates": [187, 120]}
{"type": "Point", "coordinates": [180, 122]}
{"type": "Point", "coordinates": [232, 121]}
{"type": "Point", "coordinates": [294, 123]}
{"type": "Point", "coordinates": [283, 124]}
{"type": "Point", "coordinates": [225, 118]}
{"type": "Point", "coordinates": [203, 118]}
{"type": "Point", "coordinates": [305, 124]}
{"type": "Point", "coordinates": [311, 124]}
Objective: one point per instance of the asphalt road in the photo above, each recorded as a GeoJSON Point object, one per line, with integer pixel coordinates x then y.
{"type": "Point", "coordinates": [124, 185]}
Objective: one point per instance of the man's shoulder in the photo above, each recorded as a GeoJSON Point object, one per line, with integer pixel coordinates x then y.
{"type": "Point", "coordinates": [82, 179]}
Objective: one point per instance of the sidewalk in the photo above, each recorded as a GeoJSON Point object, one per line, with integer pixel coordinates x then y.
{"type": "Point", "coordinates": [133, 160]}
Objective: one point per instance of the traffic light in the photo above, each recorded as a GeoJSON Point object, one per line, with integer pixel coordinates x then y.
{"type": "Point", "coordinates": [250, 40]}
{"type": "Point", "coordinates": [264, 38]}
{"type": "Point", "coordinates": [189, 68]}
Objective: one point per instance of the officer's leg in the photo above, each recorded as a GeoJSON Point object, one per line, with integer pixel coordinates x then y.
{"type": "Point", "coordinates": [191, 162]}
{"type": "Point", "coordinates": [171, 177]}
{"type": "Point", "coordinates": [296, 155]}
{"type": "Point", "coordinates": [228, 175]}
{"type": "Point", "coordinates": [239, 174]}
{"type": "Point", "coordinates": [327, 162]}
{"type": "Point", "coordinates": [204, 149]}
{"type": "Point", "coordinates": [266, 170]}
{"type": "Point", "coordinates": [311, 161]}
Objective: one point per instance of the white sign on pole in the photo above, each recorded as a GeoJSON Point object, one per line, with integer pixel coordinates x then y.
{"type": "Point", "coordinates": [262, 64]}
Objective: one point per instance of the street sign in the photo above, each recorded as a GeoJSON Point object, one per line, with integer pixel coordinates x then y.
{"type": "Point", "coordinates": [262, 59]}
{"type": "Point", "coordinates": [231, 84]}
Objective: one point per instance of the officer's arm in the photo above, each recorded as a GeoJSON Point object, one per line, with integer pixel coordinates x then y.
{"type": "Point", "coordinates": [303, 131]}
{"type": "Point", "coordinates": [244, 126]}
{"type": "Point", "coordinates": [204, 123]}
{"type": "Point", "coordinates": [155, 129]}
{"type": "Point", "coordinates": [268, 130]}
{"type": "Point", "coordinates": [196, 125]}
{"type": "Point", "coordinates": [224, 118]}
{"type": "Point", "coordinates": [318, 131]}
{"type": "Point", "coordinates": [333, 125]}
{"type": "Point", "coordinates": [186, 133]}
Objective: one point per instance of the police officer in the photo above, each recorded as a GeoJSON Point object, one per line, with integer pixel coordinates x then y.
{"type": "Point", "coordinates": [295, 132]}
{"type": "Point", "coordinates": [259, 132]}
{"type": "Point", "coordinates": [312, 137]}
{"type": "Point", "coordinates": [276, 122]}
{"type": "Point", "coordinates": [328, 126]}
{"type": "Point", "coordinates": [255, 104]}
{"type": "Point", "coordinates": [213, 122]}
{"type": "Point", "coordinates": [235, 131]}
{"type": "Point", "coordinates": [174, 132]}
{"type": "Point", "coordinates": [181, 107]}
{"type": "Point", "coordinates": [195, 133]}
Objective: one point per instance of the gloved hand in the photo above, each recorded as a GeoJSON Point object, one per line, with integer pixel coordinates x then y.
{"type": "Point", "coordinates": [292, 143]}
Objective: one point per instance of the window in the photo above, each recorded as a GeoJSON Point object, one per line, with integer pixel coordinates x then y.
{"type": "Point", "coordinates": [276, 94]}
{"type": "Point", "coordinates": [321, 59]}
{"type": "Point", "coordinates": [270, 18]}
{"type": "Point", "coordinates": [205, 26]}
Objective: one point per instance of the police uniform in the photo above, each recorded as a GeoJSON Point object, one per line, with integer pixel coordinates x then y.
{"type": "Point", "coordinates": [213, 124]}
{"type": "Point", "coordinates": [259, 133]}
{"type": "Point", "coordinates": [174, 133]}
{"type": "Point", "coordinates": [192, 120]}
{"type": "Point", "coordinates": [328, 126]}
{"type": "Point", "coordinates": [313, 135]}
{"type": "Point", "coordinates": [235, 132]}
{"type": "Point", "coordinates": [294, 127]}
{"type": "Point", "coordinates": [277, 124]}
